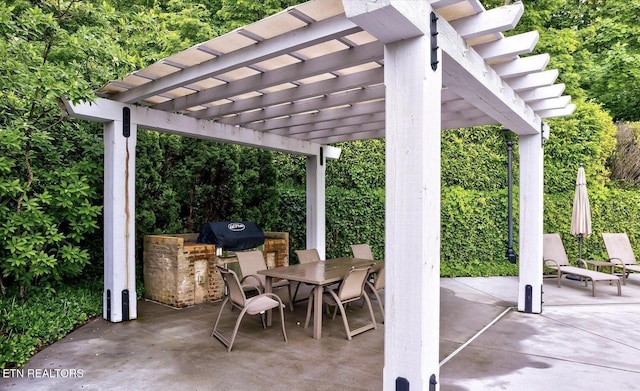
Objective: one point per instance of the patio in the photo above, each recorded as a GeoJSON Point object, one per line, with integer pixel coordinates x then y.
{"type": "Point", "coordinates": [578, 342]}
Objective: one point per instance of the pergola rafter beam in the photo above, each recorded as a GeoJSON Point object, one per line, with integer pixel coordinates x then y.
{"type": "Point", "coordinates": [315, 104]}
{"type": "Point", "coordinates": [492, 21]}
{"type": "Point", "coordinates": [522, 66]}
{"type": "Point", "coordinates": [509, 47]}
{"type": "Point", "coordinates": [296, 39]}
{"type": "Point", "coordinates": [552, 103]}
{"type": "Point", "coordinates": [325, 115]}
{"type": "Point", "coordinates": [362, 54]}
{"type": "Point", "coordinates": [560, 112]}
{"type": "Point", "coordinates": [332, 124]}
{"type": "Point", "coordinates": [458, 123]}
{"type": "Point", "coordinates": [540, 93]}
{"type": "Point", "coordinates": [466, 74]}
{"type": "Point", "coordinates": [300, 92]}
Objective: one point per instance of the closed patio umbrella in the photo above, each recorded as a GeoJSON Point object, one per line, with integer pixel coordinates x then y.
{"type": "Point", "coordinates": [581, 215]}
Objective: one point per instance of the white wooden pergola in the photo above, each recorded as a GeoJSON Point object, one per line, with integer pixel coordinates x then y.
{"type": "Point", "coordinates": [337, 70]}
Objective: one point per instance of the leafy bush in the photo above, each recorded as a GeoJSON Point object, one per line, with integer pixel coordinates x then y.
{"type": "Point", "coordinates": [29, 323]}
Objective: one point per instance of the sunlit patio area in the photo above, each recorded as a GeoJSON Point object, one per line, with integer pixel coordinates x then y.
{"type": "Point", "coordinates": [579, 342]}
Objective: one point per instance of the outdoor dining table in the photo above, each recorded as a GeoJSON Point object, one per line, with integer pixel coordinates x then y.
{"type": "Point", "coordinates": [319, 274]}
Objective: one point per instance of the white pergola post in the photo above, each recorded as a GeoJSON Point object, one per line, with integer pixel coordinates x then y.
{"type": "Point", "coordinates": [119, 300]}
{"type": "Point", "coordinates": [531, 223]}
{"type": "Point", "coordinates": [412, 237]}
{"type": "Point", "coordinates": [316, 212]}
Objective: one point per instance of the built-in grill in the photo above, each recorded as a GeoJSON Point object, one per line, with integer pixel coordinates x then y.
{"type": "Point", "coordinates": [231, 235]}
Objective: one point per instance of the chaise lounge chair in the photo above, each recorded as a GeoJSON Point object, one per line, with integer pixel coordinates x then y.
{"type": "Point", "coordinates": [555, 257]}
{"type": "Point", "coordinates": [621, 253]}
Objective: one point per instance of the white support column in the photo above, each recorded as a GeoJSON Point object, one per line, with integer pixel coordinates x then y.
{"type": "Point", "coordinates": [316, 212]}
{"type": "Point", "coordinates": [531, 223]}
{"type": "Point", "coordinates": [412, 237]}
{"type": "Point", "coordinates": [119, 301]}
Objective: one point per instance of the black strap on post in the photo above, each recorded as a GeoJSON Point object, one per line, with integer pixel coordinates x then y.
{"type": "Point", "coordinates": [125, 304]}
{"type": "Point", "coordinates": [432, 382]}
{"type": "Point", "coordinates": [402, 384]}
{"type": "Point", "coordinates": [126, 122]}
{"type": "Point", "coordinates": [434, 41]}
{"type": "Point", "coordinates": [109, 305]}
{"type": "Point", "coordinates": [528, 299]}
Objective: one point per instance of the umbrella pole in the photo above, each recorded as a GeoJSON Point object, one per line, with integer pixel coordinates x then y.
{"type": "Point", "coordinates": [573, 276]}
{"type": "Point", "coordinates": [580, 247]}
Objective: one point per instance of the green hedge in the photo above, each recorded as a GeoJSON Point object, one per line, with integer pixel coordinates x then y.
{"type": "Point", "coordinates": [474, 225]}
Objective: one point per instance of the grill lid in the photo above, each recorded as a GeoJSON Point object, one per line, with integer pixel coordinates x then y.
{"type": "Point", "coordinates": [231, 235]}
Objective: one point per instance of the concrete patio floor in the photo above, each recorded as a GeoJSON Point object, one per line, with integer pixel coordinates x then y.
{"type": "Point", "coordinates": [578, 343]}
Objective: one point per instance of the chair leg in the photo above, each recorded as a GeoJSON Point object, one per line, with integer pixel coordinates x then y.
{"type": "Point", "coordinates": [284, 332]}
{"type": "Point", "coordinates": [373, 317]}
{"type": "Point", "coordinates": [379, 299]}
{"type": "Point", "coordinates": [235, 329]}
{"type": "Point", "coordinates": [215, 325]}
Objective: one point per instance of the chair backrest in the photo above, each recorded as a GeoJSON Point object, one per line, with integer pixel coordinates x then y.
{"type": "Point", "coordinates": [618, 246]}
{"type": "Point", "coordinates": [353, 284]}
{"type": "Point", "coordinates": [553, 249]}
{"type": "Point", "coordinates": [250, 262]}
{"type": "Point", "coordinates": [308, 255]}
{"type": "Point", "coordinates": [379, 284]}
{"type": "Point", "coordinates": [234, 289]}
{"type": "Point", "coordinates": [362, 251]}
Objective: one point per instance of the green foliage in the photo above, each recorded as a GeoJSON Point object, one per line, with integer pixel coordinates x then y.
{"type": "Point", "coordinates": [361, 165]}
{"type": "Point", "coordinates": [482, 167]}
{"type": "Point", "coordinates": [48, 196]}
{"type": "Point", "coordinates": [587, 137]}
{"type": "Point", "coordinates": [182, 183]}
{"type": "Point", "coordinates": [238, 13]}
{"type": "Point", "coordinates": [27, 324]}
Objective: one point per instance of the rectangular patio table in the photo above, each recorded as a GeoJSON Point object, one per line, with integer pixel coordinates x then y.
{"type": "Point", "coordinates": [319, 274]}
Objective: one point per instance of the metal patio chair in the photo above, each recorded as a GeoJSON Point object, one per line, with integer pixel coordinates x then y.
{"type": "Point", "coordinates": [256, 305]}
{"type": "Point", "coordinates": [252, 261]}
{"type": "Point", "coordinates": [351, 289]}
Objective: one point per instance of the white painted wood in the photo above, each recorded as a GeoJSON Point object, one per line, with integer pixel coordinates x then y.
{"type": "Point", "coordinates": [381, 19]}
{"type": "Point", "coordinates": [412, 239]}
{"type": "Point", "coordinates": [553, 103]}
{"type": "Point", "coordinates": [509, 47]}
{"type": "Point", "coordinates": [313, 104]}
{"type": "Point", "coordinates": [522, 66]}
{"type": "Point", "coordinates": [327, 115]}
{"type": "Point", "coordinates": [358, 55]}
{"type": "Point", "coordinates": [312, 127]}
{"type": "Point", "coordinates": [103, 110]}
{"type": "Point", "coordinates": [466, 74]}
{"type": "Point", "coordinates": [342, 83]}
{"type": "Point", "coordinates": [312, 34]}
{"type": "Point", "coordinates": [562, 112]}
{"type": "Point", "coordinates": [539, 93]}
{"type": "Point", "coordinates": [354, 137]}
{"type": "Point", "coordinates": [119, 221]}
{"type": "Point", "coordinates": [531, 221]}
{"type": "Point", "coordinates": [492, 21]}
{"type": "Point", "coordinates": [412, 328]}
{"type": "Point", "coordinates": [467, 123]}
{"type": "Point", "coordinates": [534, 80]}
{"type": "Point", "coordinates": [316, 206]}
